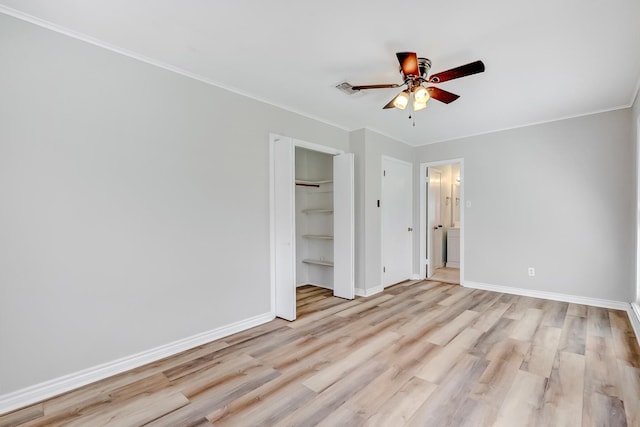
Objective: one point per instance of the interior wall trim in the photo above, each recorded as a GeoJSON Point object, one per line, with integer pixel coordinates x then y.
{"type": "Point", "coordinates": [634, 316]}
{"type": "Point", "coordinates": [361, 292]}
{"type": "Point", "coordinates": [317, 285]}
{"type": "Point", "coordinates": [632, 309]}
{"type": "Point", "coordinates": [157, 63]}
{"type": "Point", "coordinates": [48, 389]}
{"type": "Point", "coordinates": [554, 296]}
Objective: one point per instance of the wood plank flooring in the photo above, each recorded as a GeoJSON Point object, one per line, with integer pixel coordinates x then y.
{"type": "Point", "coordinates": [446, 275]}
{"type": "Point", "coordinates": [424, 353]}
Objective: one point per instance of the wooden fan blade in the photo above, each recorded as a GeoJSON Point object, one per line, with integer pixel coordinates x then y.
{"type": "Point", "coordinates": [456, 73]}
{"type": "Point", "coordinates": [390, 104]}
{"type": "Point", "coordinates": [409, 63]}
{"type": "Point", "coordinates": [442, 95]}
{"type": "Point", "coordinates": [382, 86]}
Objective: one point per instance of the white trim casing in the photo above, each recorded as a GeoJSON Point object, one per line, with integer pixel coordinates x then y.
{"type": "Point", "coordinates": [157, 63]}
{"type": "Point", "coordinates": [422, 230]}
{"type": "Point", "coordinates": [637, 206]}
{"type": "Point", "coordinates": [519, 126]}
{"type": "Point", "coordinates": [314, 284]}
{"type": "Point", "coordinates": [36, 393]}
{"type": "Point", "coordinates": [272, 225]}
{"type": "Point", "coordinates": [368, 292]}
{"type": "Point", "coordinates": [316, 147]}
{"type": "Point", "coordinates": [632, 309]}
{"type": "Point", "coordinates": [554, 296]}
{"type": "Point", "coordinates": [634, 316]}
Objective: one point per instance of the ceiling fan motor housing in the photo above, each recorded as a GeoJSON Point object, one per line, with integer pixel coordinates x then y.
{"type": "Point", "coordinates": [424, 65]}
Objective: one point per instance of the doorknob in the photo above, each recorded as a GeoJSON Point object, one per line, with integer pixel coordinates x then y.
{"type": "Point", "coordinates": [409, 229]}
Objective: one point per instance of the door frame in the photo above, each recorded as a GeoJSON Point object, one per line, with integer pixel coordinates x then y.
{"type": "Point", "coordinates": [423, 213]}
{"type": "Point", "coordinates": [382, 201]}
{"type": "Point", "coordinates": [429, 229]}
{"type": "Point", "coordinates": [637, 296]}
{"type": "Point", "coordinates": [272, 229]}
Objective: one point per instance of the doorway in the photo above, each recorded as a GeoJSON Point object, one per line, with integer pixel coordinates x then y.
{"type": "Point", "coordinates": [442, 220]}
{"type": "Point", "coordinates": [319, 246]}
{"type": "Point", "coordinates": [397, 220]}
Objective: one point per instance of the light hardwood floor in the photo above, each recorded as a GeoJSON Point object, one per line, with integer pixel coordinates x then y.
{"type": "Point", "coordinates": [421, 353]}
{"type": "Point", "coordinates": [446, 275]}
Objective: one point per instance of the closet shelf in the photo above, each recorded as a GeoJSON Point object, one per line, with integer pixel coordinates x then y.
{"type": "Point", "coordinates": [318, 236]}
{"type": "Point", "coordinates": [316, 182]}
{"type": "Point", "coordinates": [318, 262]}
{"type": "Point", "coordinates": [317, 211]}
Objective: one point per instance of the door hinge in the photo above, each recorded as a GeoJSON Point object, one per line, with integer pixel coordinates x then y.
{"type": "Point", "coordinates": [378, 203]}
{"type": "Point", "coordinates": [384, 269]}
{"type": "Point", "coordinates": [384, 173]}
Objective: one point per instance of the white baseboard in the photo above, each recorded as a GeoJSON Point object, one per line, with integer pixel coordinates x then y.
{"type": "Point", "coordinates": [36, 393]}
{"type": "Point", "coordinates": [416, 277]}
{"type": "Point", "coordinates": [634, 316]}
{"type": "Point", "coordinates": [632, 309]}
{"type": "Point", "coordinates": [314, 284]}
{"type": "Point", "coordinates": [368, 292]}
{"type": "Point", "coordinates": [452, 264]}
{"type": "Point", "coordinates": [554, 296]}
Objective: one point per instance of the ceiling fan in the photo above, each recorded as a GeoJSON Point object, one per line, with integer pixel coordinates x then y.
{"type": "Point", "coordinates": [415, 72]}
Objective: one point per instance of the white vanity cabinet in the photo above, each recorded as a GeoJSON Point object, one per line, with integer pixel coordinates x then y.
{"type": "Point", "coordinates": [453, 248]}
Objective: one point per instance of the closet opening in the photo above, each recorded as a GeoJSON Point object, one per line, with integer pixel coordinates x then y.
{"type": "Point", "coordinates": [314, 227]}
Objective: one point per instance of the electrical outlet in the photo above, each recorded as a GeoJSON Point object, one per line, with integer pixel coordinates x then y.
{"type": "Point", "coordinates": [531, 271]}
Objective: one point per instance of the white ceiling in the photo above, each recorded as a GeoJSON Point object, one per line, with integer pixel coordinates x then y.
{"type": "Point", "coordinates": [545, 60]}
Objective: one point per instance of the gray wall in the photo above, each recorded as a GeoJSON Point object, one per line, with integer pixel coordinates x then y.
{"type": "Point", "coordinates": [357, 145]}
{"type": "Point", "coordinates": [134, 204]}
{"type": "Point", "coordinates": [559, 197]}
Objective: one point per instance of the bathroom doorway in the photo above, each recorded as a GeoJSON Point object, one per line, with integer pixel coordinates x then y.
{"type": "Point", "coordinates": [442, 221]}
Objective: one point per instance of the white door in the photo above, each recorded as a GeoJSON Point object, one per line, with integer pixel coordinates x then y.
{"type": "Point", "coordinates": [343, 227]}
{"type": "Point", "coordinates": [283, 222]}
{"type": "Point", "coordinates": [397, 220]}
{"type": "Point", "coordinates": [433, 221]}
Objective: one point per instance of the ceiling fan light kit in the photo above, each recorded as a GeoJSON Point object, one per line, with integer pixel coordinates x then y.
{"type": "Point", "coordinates": [420, 94]}
{"type": "Point", "coordinates": [401, 100]}
{"type": "Point", "coordinates": [417, 106]}
{"type": "Point", "coordinates": [415, 72]}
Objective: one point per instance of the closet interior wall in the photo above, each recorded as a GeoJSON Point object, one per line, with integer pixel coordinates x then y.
{"type": "Point", "coordinates": [314, 218]}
